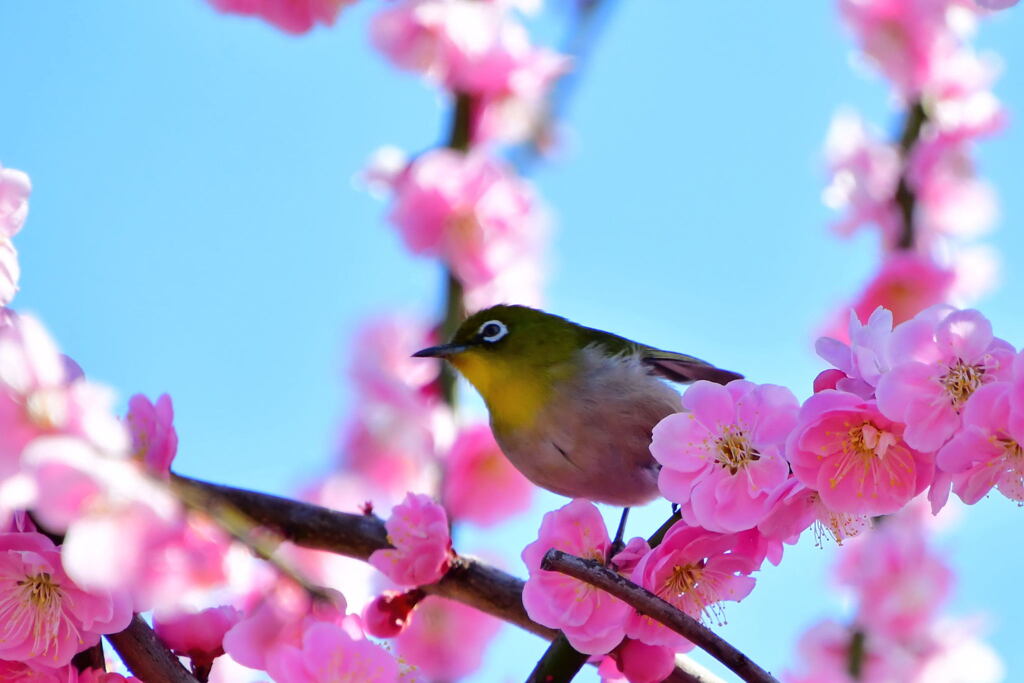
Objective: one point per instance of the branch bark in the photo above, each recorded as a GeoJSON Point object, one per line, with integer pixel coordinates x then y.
{"type": "Point", "coordinates": [146, 656]}
{"type": "Point", "coordinates": [651, 605]}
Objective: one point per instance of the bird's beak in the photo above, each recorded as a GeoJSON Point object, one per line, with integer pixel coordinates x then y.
{"type": "Point", "coordinates": [442, 351]}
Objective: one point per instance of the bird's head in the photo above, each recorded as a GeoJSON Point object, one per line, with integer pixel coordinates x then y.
{"type": "Point", "coordinates": [501, 346]}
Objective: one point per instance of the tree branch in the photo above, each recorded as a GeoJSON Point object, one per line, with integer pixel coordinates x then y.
{"type": "Point", "coordinates": [468, 581]}
{"type": "Point", "coordinates": [905, 198]}
{"type": "Point", "coordinates": [645, 602]}
{"type": "Point", "coordinates": [146, 655]}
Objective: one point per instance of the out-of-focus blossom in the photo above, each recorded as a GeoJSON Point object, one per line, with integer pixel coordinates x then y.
{"type": "Point", "coordinates": [958, 655]}
{"type": "Point", "coordinates": [951, 200]}
{"type": "Point", "coordinates": [977, 269]}
{"type": "Point", "coordinates": [824, 655]}
{"type": "Point", "coordinates": [854, 456]}
{"type": "Point", "coordinates": [591, 619]}
{"type": "Point", "coordinates": [389, 614]}
{"type": "Point", "coordinates": [197, 635]}
{"type": "Point", "coordinates": [984, 454]}
{"type": "Point", "coordinates": [418, 530]}
{"type": "Point", "coordinates": [45, 618]}
{"type": "Point", "coordinates": [480, 484]}
{"type": "Point", "coordinates": [332, 654]}
{"type": "Point", "coordinates": [900, 582]}
{"type": "Point", "coordinates": [996, 4]}
{"type": "Point", "coordinates": [723, 456]}
{"type": "Point", "coordinates": [864, 172]}
{"type": "Point", "coordinates": [793, 507]}
{"type": "Point", "coordinates": [15, 188]}
{"type": "Point", "coordinates": [470, 211]}
{"type": "Point", "coordinates": [279, 617]}
{"type": "Point", "coordinates": [446, 640]}
{"type": "Point", "coordinates": [929, 383]}
{"type": "Point", "coordinates": [907, 283]}
{"type": "Point", "coordinates": [292, 16]}
{"type": "Point", "coordinates": [637, 662]}
{"type": "Point", "coordinates": [473, 47]}
{"type": "Point", "coordinates": [382, 365]}
{"type": "Point", "coordinates": [154, 440]}
{"type": "Point", "coordinates": [962, 105]}
{"type": "Point", "coordinates": [904, 39]}
{"type": "Point", "coordinates": [36, 397]}
{"type": "Point", "coordinates": [695, 570]}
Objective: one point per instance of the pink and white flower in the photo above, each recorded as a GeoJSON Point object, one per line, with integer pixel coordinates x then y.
{"type": "Point", "coordinates": [45, 618]}
{"type": "Point", "coordinates": [197, 635]}
{"type": "Point", "coordinates": [930, 382]}
{"type": "Point", "coordinates": [480, 484]}
{"type": "Point", "coordinates": [446, 640]}
{"type": "Point", "coordinates": [291, 16]}
{"type": "Point", "coordinates": [695, 570]}
{"type": "Point", "coordinates": [855, 457]}
{"type": "Point", "coordinates": [723, 456]}
{"type": "Point", "coordinates": [154, 440]}
{"type": "Point", "coordinates": [422, 553]}
{"type": "Point", "coordinates": [592, 620]}
{"type": "Point", "coordinates": [332, 654]}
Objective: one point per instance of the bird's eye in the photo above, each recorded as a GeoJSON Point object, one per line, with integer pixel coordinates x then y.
{"type": "Point", "coordinates": [492, 330]}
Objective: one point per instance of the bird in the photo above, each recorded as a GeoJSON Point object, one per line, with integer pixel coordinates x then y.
{"type": "Point", "coordinates": [572, 407]}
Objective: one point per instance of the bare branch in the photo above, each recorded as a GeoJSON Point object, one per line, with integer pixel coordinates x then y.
{"type": "Point", "coordinates": [146, 655]}
{"type": "Point", "coordinates": [645, 602]}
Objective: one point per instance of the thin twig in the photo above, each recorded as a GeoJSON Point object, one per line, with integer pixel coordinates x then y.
{"type": "Point", "coordinates": [146, 655]}
{"type": "Point", "coordinates": [645, 602]}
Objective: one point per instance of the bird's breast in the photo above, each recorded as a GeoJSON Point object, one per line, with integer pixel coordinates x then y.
{"type": "Point", "coordinates": [515, 396]}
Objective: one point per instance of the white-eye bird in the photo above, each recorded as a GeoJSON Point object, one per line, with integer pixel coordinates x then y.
{"type": "Point", "coordinates": [572, 407]}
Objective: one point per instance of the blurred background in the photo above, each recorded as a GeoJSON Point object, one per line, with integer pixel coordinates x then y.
{"type": "Point", "coordinates": [196, 228]}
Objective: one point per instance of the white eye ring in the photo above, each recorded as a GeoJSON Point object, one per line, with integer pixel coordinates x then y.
{"type": "Point", "coordinates": [494, 336]}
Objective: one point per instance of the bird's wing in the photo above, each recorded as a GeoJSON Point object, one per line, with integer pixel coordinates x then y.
{"type": "Point", "coordinates": [679, 367]}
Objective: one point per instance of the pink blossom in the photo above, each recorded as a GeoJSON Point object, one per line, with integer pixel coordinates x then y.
{"type": "Point", "coordinates": [963, 105]}
{"type": "Point", "coordinates": [996, 4]}
{"type": "Point", "coordinates": [627, 559]}
{"type": "Point", "coordinates": [418, 530]}
{"type": "Point", "coordinates": [861, 361]}
{"type": "Point", "coordinates": [865, 172]}
{"type": "Point", "coordinates": [951, 200]}
{"type": "Point", "coordinates": [446, 640]}
{"type": "Point", "coordinates": [695, 570]}
{"type": "Point", "coordinates": [1016, 419]}
{"type": "Point", "coordinates": [278, 618]}
{"type": "Point", "coordinates": [10, 273]}
{"type": "Point", "coordinates": [197, 635]}
{"type": "Point", "coordinates": [469, 210]}
{"type": "Point", "coordinates": [330, 654]}
{"type": "Point", "coordinates": [793, 507]}
{"type": "Point", "coordinates": [855, 457]}
{"type": "Point", "coordinates": [45, 618]}
{"type": "Point", "coordinates": [900, 582]}
{"type": "Point", "coordinates": [15, 187]}
{"type": "Point", "coordinates": [637, 662]}
{"type": "Point", "coordinates": [723, 456]}
{"type": "Point", "coordinates": [984, 454]}
{"type": "Point", "coordinates": [905, 39]}
{"type": "Point", "coordinates": [154, 440]}
{"type": "Point", "coordinates": [591, 619]}
{"type": "Point", "coordinates": [480, 484]}
{"type": "Point", "coordinates": [292, 16]}
{"type": "Point", "coordinates": [382, 367]}
{"type": "Point", "coordinates": [929, 383]}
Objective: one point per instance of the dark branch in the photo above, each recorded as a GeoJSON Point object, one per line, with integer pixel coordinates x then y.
{"type": "Point", "coordinates": [146, 655]}
{"type": "Point", "coordinates": [648, 603]}
{"type": "Point", "coordinates": [906, 199]}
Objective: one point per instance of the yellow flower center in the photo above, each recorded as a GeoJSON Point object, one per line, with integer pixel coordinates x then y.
{"type": "Point", "coordinates": [734, 450]}
{"type": "Point", "coordinates": [865, 452]}
{"type": "Point", "coordinates": [961, 380]}
{"type": "Point", "coordinates": [35, 610]}
{"type": "Point", "coordinates": [690, 580]}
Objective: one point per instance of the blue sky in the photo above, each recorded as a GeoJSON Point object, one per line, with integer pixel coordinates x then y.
{"type": "Point", "coordinates": [195, 229]}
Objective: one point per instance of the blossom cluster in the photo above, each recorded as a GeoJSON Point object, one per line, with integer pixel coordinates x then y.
{"type": "Point", "coordinates": [935, 403]}
{"type": "Point", "coordinates": [919, 191]}
{"type": "Point", "coordinates": [899, 585]}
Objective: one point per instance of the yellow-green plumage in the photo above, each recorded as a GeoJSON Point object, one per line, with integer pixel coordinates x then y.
{"type": "Point", "coordinates": [572, 407]}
